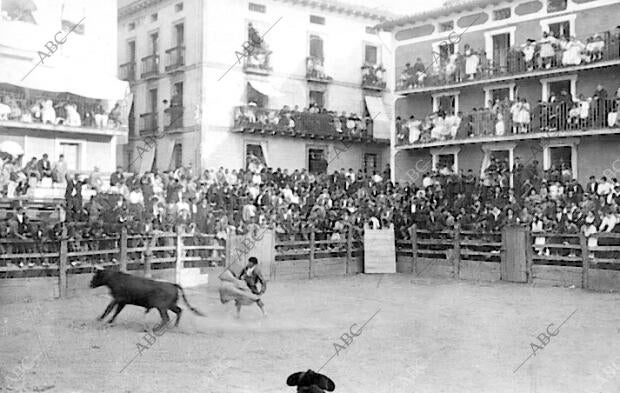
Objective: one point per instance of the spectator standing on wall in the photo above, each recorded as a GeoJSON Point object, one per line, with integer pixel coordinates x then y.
{"type": "Point", "coordinates": [59, 172]}
{"type": "Point", "coordinates": [44, 167]}
{"type": "Point", "coordinates": [117, 178]}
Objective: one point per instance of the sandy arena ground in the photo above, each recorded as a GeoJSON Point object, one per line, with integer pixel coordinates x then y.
{"type": "Point", "coordinates": [428, 336]}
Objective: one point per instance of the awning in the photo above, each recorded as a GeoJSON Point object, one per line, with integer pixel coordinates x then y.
{"type": "Point", "coordinates": [75, 80]}
{"type": "Point", "coordinates": [146, 155]}
{"type": "Point", "coordinates": [380, 120]}
{"type": "Point", "coordinates": [265, 88]}
{"type": "Point", "coordinates": [164, 153]}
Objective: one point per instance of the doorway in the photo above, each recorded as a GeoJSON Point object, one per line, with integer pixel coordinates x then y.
{"type": "Point", "coordinates": [501, 48]}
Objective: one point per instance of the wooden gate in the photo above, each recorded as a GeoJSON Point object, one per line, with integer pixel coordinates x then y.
{"type": "Point", "coordinates": [514, 255]}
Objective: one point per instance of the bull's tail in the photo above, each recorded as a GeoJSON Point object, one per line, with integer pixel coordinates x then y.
{"type": "Point", "coordinates": [195, 311]}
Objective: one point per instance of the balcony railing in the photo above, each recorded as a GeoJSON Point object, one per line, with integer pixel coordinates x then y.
{"type": "Point", "coordinates": [544, 118]}
{"type": "Point", "coordinates": [65, 109]}
{"type": "Point", "coordinates": [150, 66]}
{"type": "Point", "coordinates": [127, 71]}
{"type": "Point", "coordinates": [173, 118]}
{"type": "Point", "coordinates": [315, 71]}
{"type": "Point", "coordinates": [372, 77]}
{"type": "Point", "coordinates": [148, 123]}
{"type": "Point", "coordinates": [175, 58]}
{"type": "Point", "coordinates": [539, 56]}
{"type": "Point", "coordinates": [258, 61]}
{"type": "Point", "coordinates": [305, 124]}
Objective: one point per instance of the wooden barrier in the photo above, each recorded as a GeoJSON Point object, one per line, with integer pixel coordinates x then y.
{"type": "Point", "coordinates": [72, 260]}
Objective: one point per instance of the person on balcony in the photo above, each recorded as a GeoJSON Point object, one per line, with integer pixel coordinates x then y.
{"type": "Point", "coordinates": [44, 167]}
{"type": "Point", "coordinates": [413, 125]}
{"type": "Point", "coordinates": [595, 48]}
{"type": "Point", "coordinates": [572, 54]}
{"type": "Point", "coordinates": [600, 106]}
{"type": "Point", "coordinates": [529, 50]}
{"type": "Point", "coordinates": [419, 72]}
{"type": "Point", "coordinates": [115, 113]}
{"type": "Point", "coordinates": [471, 62]}
{"type": "Point", "coordinates": [547, 50]}
{"type": "Point", "coordinates": [255, 40]}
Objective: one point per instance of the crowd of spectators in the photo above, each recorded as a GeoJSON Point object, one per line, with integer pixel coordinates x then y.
{"type": "Point", "coordinates": [17, 179]}
{"type": "Point", "coordinates": [312, 119]}
{"type": "Point", "coordinates": [552, 50]}
{"type": "Point", "coordinates": [59, 112]}
{"type": "Point", "coordinates": [295, 203]}
{"type": "Point", "coordinates": [504, 116]}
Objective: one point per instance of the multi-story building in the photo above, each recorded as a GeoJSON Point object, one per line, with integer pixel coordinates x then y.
{"type": "Point", "coordinates": [58, 82]}
{"type": "Point", "coordinates": [460, 69]}
{"type": "Point", "coordinates": [217, 83]}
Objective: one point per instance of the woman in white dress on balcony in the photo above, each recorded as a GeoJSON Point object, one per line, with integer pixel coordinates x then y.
{"type": "Point", "coordinates": [524, 116]}
{"type": "Point", "coordinates": [471, 62]}
{"type": "Point", "coordinates": [547, 52]}
{"type": "Point", "coordinates": [572, 52]}
{"type": "Point", "coordinates": [414, 129]}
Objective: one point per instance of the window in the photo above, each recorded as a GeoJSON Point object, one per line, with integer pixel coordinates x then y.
{"type": "Point", "coordinates": [501, 47]}
{"type": "Point", "coordinates": [491, 93]}
{"type": "Point", "coordinates": [154, 37]}
{"type": "Point", "coordinates": [371, 54]}
{"type": "Point", "coordinates": [317, 20]}
{"type": "Point", "coordinates": [318, 98]}
{"type": "Point", "coordinates": [255, 96]}
{"type": "Point", "coordinates": [446, 161]}
{"type": "Point", "coordinates": [178, 7]}
{"type": "Point", "coordinates": [446, 26]}
{"type": "Point", "coordinates": [556, 5]}
{"type": "Point", "coordinates": [131, 51]}
{"type": "Point", "coordinates": [71, 153]}
{"type": "Point", "coordinates": [177, 156]}
{"type": "Point", "coordinates": [557, 84]}
{"type": "Point", "coordinates": [254, 156]}
{"type": "Point", "coordinates": [179, 33]}
{"type": "Point", "coordinates": [257, 7]}
{"type": "Point", "coordinates": [561, 154]}
{"type": "Point", "coordinates": [445, 156]}
{"type": "Point", "coordinates": [152, 104]}
{"type": "Point", "coordinates": [177, 94]}
{"type": "Point", "coordinates": [501, 14]}
{"type": "Point", "coordinates": [154, 17]}
{"type": "Point", "coordinates": [560, 29]}
{"type": "Point", "coordinates": [371, 30]}
{"type": "Point", "coordinates": [316, 46]}
{"type": "Point", "coordinates": [317, 163]}
{"type": "Point", "coordinates": [448, 102]}
{"type": "Point", "coordinates": [131, 26]}
{"type": "Point", "coordinates": [370, 165]}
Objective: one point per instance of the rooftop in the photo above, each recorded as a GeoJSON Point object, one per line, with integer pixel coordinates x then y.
{"type": "Point", "coordinates": [129, 7]}
{"type": "Point", "coordinates": [449, 7]}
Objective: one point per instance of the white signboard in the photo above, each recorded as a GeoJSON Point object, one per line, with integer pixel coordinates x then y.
{"type": "Point", "coordinates": [379, 250]}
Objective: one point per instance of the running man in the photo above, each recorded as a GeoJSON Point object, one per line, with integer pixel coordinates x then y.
{"type": "Point", "coordinates": [245, 289]}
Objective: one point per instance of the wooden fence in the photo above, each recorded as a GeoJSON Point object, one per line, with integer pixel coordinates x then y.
{"type": "Point", "coordinates": [69, 258]}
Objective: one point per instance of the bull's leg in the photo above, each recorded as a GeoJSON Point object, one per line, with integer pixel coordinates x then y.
{"type": "Point", "coordinates": [165, 319]}
{"type": "Point", "coordinates": [119, 308]}
{"type": "Point", "coordinates": [178, 311]}
{"type": "Point", "coordinates": [261, 305]}
{"type": "Point", "coordinates": [107, 310]}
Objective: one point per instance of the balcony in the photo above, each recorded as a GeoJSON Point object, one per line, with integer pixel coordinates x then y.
{"type": "Point", "coordinates": [36, 109]}
{"type": "Point", "coordinates": [595, 51]}
{"type": "Point", "coordinates": [150, 66]}
{"type": "Point", "coordinates": [173, 118]}
{"type": "Point", "coordinates": [315, 71]}
{"type": "Point", "coordinates": [545, 120]}
{"type": "Point", "coordinates": [372, 77]}
{"type": "Point", "coordinates": [127, 71]}
{"type": "Point", "coordinates": [148, 124]}
{"type": "Point", "coordinates": [257, 62]}
{"type": "Point", "coordinates": [175, 58]}
{"type": "Point", "coordinates": [325, 126]}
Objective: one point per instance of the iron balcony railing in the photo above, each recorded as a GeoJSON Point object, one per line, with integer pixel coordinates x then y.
{"type": "Point", "coordinates": [175, 58]}
{"type": "Point", "coordinates": [520, 60]}
{"type": "Point", "coordinates": [315, 69]}
{"type": "Point", "coordinates": [148, 123]}
{"type": "Point", "coordinates": [302, 123]}
{"type": "Point", "coordinates": [173, 118]}
{"type": "Point", "coordinates": [544, 118]}
{"type": "Point", "coordinates": [150, 66]}
{"type": "Point", "coordinates": [127, 71]}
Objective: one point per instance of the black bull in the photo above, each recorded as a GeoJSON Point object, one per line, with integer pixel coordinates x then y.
{"type": "Point", "coordinates": [127, 289]}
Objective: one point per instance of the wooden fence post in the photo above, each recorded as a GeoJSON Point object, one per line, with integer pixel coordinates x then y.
{"type": "Point", "coordinates": [457, 251]}
{"type": "Point", "coordinates": [349, 249]}
{"type": "Point", "coordinates": [585, 261]}
{"type": "Point", "coordinates": [122, 258]}
{"type": "Point", "coordinates": [62, 265]}
{"type": "Point", "coordinates": [227, 248]}
{"type": "Point", "coordinates": [529, 256]}
{"type": "Point", "coordinates": [413, 233]}
{"type": "Point", "coordinates": [179, 255]}
{"type": "Point", "coordinates": [147, 257]}
{"type": "Point", "coordinates": [311, 260]}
